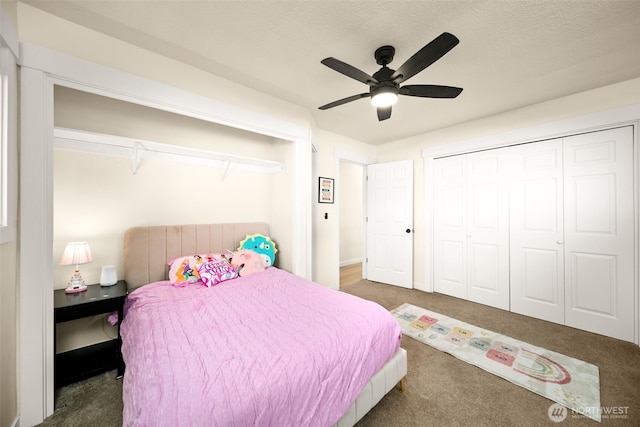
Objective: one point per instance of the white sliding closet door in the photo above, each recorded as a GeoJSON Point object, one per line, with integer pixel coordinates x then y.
{"type": "Point", "coordinates": [599, 242]}
{"type": "Point", "coordinates": [537, 230]}
{"type": "Point", "coordinates": [552, 237]}
{"type": "Point", "coordinates": [488, 228]}
{"type": "Point", "coordinates": [449, 226]}
{"type": "Point", "coordinates": [471, 240]}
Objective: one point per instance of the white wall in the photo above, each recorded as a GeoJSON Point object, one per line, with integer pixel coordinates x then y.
{"type": "Point", "coordinates": [42, 29]}
{"type": "Point", "coordinates": [332, 147]}
{"type": "Point", "coordinates": [9, 284]}
{"type": "Point", "coordinates": [280, 201]}
{"type": "Point", "coordinates": [600, 99]}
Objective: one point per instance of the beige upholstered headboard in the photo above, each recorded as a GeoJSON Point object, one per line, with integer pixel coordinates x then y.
{"type": "Point", "coordinates": [147, 249]}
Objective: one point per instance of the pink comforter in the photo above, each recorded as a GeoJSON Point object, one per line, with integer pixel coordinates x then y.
{"type": "Point", "coordinates": [269, 349]}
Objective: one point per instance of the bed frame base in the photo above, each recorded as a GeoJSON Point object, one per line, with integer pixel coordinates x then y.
{"type": "Point", "coordinates": [392, 374]}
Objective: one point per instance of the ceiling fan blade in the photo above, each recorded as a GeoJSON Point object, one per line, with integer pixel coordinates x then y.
{"type": "Point", "coordinates": [430, 91]}
{"type": "Point", "coordinates": [344, 100]}
{"type": "Point", "coordinates": [384, 113]}
{"type": "Point", "coordinates": [349, 70]}
{"type": "Point", "coordinates": [426, 56]}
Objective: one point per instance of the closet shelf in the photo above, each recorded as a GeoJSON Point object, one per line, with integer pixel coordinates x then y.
{"type": "Point", "coordinates": [138, 150]}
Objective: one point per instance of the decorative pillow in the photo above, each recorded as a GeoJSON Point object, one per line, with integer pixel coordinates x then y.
{"type": "Point", "coordinates": [247, 262]}
{"type": "Point", "coordinates": [214, 272]}
{"type": "Point", "coordinates": [184, 269]}
{"type": "Point", "coordinates": [261, 244]}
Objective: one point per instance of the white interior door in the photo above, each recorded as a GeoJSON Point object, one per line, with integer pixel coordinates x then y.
{"type": "Point", "coordinates": [599, 240]}
{"type": "Point", "coordinates": [488, 228]}
{"type": "Point", "coordinates": [536, 231]}
{"type": "Point", "coordinates": [390, 223]}
{"type": "Point", "coordinates": [449, 226]}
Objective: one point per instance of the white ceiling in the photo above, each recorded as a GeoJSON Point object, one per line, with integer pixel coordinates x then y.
{"type": "Point", "coordinates": [511, 53]}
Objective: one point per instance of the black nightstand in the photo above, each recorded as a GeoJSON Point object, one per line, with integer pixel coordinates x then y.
{"type": "Point", "coordinates": [84, 362]}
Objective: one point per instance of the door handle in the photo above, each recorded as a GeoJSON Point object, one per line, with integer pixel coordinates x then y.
{"type": "Point", "coordinates": [408, 231]}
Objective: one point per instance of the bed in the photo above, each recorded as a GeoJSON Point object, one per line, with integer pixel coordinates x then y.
{"type": "Point", "coordinates": [266, 349]}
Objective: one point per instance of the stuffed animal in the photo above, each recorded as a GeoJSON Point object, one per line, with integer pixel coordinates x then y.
{"type": "Point", "coordinates": [263, 245]}
{"type": "Point", "coordinates": [247, 262]}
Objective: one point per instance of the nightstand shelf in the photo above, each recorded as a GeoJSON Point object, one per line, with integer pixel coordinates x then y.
{"type": "Point", "coordinates": [74, 365]}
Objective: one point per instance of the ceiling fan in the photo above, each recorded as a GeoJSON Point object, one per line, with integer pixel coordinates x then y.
{"type": "Point", "coordinates": [384, 85]}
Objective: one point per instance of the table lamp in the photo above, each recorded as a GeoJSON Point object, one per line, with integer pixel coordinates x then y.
{"type": "Point", "coordinates": [76, 253]}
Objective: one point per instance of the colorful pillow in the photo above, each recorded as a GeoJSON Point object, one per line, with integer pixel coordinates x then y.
{"type": "Point", "coordinates": [214, 272]}
{"type": "Point", "coordinates": [247, 262]}
{"type": "Point", "coordinates": [263, 245]}
{"type": "Point", "coordinates": [183, 270]}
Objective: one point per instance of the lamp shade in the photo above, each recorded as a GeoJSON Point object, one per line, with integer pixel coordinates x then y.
{"type": "Point", "coordinates": [76, 253]}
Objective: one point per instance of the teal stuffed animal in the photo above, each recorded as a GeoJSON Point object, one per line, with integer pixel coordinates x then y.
{"type": "Point", "coordinates": [263, 245]}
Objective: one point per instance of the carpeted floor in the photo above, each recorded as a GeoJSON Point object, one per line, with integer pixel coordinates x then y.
{"type": "Point", "coordinates": [440, 390]}
{"type": "Point", "coordinates": [96, 401]}
{"type": "Point", "coordinates": [444, 391]}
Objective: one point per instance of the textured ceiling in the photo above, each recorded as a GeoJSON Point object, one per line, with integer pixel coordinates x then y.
{"type": "Point", "coordinates": [511, 53]}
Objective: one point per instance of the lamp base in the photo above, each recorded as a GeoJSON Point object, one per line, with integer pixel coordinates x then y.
{"type": "Point", "coordinates": [76, 284]}
{"type": "Point", "coordinates": [75, 290]}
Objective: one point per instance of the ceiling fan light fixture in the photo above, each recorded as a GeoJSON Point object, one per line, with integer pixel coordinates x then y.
{"type": "Point", "coordinates": [384, 84]}
{"type": "Point", "coordinates": [384, 97]}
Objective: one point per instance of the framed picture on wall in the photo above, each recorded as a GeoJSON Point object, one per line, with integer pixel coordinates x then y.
{"type": "Point", "coordinates": [325, 190]}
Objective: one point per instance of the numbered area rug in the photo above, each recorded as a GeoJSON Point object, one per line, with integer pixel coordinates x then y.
{"type": "Point", "coordinates": [565, 380]}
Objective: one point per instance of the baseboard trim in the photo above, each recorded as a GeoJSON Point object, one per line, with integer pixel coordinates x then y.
{"type": "Point", "coordinates": [350, 262]}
